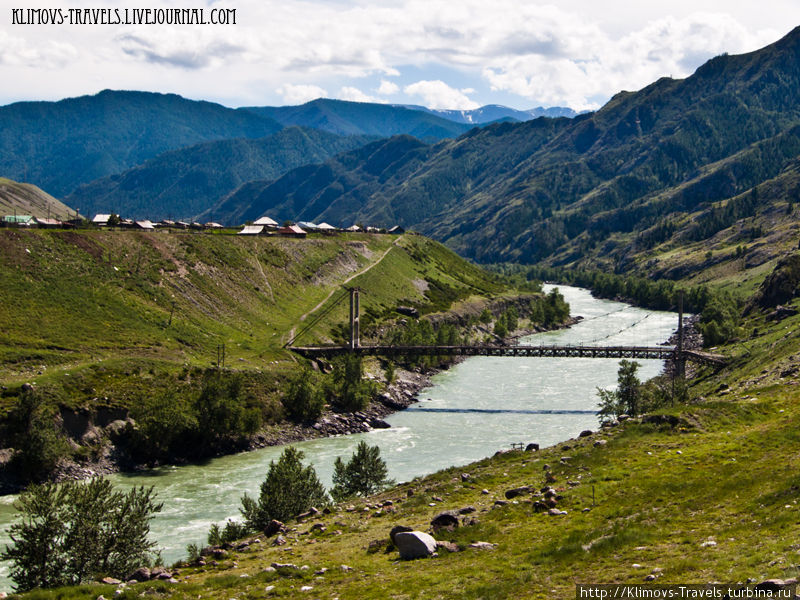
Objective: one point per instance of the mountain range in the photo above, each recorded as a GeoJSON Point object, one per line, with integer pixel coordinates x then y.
{"type": "Point", "coordinates": [609, 186]}
{"type": "Point", "coordinates": [182, 183]}
{"type": "Point", "coordinates": [494, 112]}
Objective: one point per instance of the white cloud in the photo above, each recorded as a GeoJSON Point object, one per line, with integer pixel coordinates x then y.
{"type": "Point", "coordinates": [575, 53]}
{"type": "Point", "coordinates": [388, 88]}
{"type": "Point", "coordinates": [437, 94]}
{"type": "Point", "coordinates": [355, 95]}
{"type": "Point", "coordinates": [597, 65]}
{"type": "Point", "coordinates": [50, 54]}
{"type": "Point", "coordinates": [300, 94]}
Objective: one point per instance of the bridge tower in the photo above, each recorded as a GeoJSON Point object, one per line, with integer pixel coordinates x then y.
{"type": "Point", "coordinates": [355, 332]}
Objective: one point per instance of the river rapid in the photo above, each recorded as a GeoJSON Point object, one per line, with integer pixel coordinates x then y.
{"type": "Point", "coordinates": [477, 407]}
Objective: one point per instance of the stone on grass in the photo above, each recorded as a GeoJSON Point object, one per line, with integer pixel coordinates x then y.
{"type": "Point", "coordinates": [398, 529]}
{"type": "Point", "coordinates": [449, 546]}
{"type": "Point", "coordinates": [414, 544]}
{"type": "Point", "coordinates": [445, 520]}
{"type": "Point", "coordinates": [482, 545]}
{"type": "Point", "coordinates": [518, 491]}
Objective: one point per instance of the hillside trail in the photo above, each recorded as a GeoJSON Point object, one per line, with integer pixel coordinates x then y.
{"type": "Point", "coordinates": [345, 282]}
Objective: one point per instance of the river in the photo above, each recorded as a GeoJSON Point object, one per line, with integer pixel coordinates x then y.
{"type": "Point", "coordinates": [479, 406]}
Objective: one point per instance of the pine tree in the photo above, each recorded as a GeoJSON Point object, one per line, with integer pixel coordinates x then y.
{"type": "Point", "coordinates": [364, 474]}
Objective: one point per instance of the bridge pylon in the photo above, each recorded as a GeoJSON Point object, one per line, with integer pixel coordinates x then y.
{"type": "Point", "coordinates": [355, 333]}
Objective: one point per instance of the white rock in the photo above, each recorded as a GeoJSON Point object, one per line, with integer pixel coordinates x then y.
{"type": "Point", "coordinates": [414, 544]}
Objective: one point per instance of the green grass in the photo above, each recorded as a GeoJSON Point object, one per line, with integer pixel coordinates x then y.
{"type": "Point", "coordinates": [84, 311]}
{"type": "Point", "coordinates": [728, 475]}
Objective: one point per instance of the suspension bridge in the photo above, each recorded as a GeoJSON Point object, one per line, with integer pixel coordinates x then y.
{"type": "Point", "coordinates": [678, 354]}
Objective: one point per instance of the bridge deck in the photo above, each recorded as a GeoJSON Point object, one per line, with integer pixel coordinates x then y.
{"type": "Point", "coordinates": [642, 352]}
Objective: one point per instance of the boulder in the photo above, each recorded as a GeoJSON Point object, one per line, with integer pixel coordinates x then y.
{"type": "Point", "coordinates": [376, 423]}
{"type": "Point", "coordinates": [445, 520]}
{"type": "Point", "coordinates": [414, 544]}
{"type": "Point", "coordinates": [141, 574]}
{"type": "Point", "coordinates": [770, 585]}
{"type": "Point", "coordinates": [110, 581]}
{"type": "Point", "coordinates": [518, 491]}
{"type": "Point", "coordinates": [449, 546]}
{"type": "Point", "coordinates": [467, 510]}
{"type": "Point", "coordinates": [585, 433]}
{"type": "Point", "coordinates": [532, 447]}
{"type": "Point", "coordinates": [274, 527]}
{"type": "Point", "coordinates": [398, 529]}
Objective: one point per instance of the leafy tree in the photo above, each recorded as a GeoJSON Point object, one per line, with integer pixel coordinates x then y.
{"type": "Point", "coordinates": [364, 474]}
{"type": "Point", "coordinates": [485, 317]}
{"type": "Point", "coordinates": [627, 398]}
{"type": "Point", "coordinates": [389, 372]}
{"type": "Point", "coordinates": [288, 490]}
{"type": "Point", "coordinates": [74, 532]}
{"type": "Point", "coordinates": [33, 433]}
{"type": "Point", "coordinates": [221, 409]}
{"type": "Point", "coordinates": [500, 328]}
{"type": "Point", "coordinates": [303, 400]}
{"type": "Point", "coordinates": [346, 390]}
{"type": "Point", "coordinates": [163, 422]}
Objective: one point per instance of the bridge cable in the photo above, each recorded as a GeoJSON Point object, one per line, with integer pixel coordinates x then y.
{"type": "Point", "coordinates": [318, 318]}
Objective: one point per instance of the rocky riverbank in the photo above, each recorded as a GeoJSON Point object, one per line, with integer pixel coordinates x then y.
{"type": "Point", "coordinates": [107, 431]}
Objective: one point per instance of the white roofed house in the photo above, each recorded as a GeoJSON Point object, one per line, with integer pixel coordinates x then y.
{"type": "Point", "coordinates": [307, 225]}
{"type": "Point", "coordinates": [145, 225]}
{"type": "Point", "coordinates": [266, 222]}
{"type": "Point", "coordinates": [251, 230]}
{"type": "Point", "coordinates": [326, 228]}
{"type": "Point", "coordinates": [101, 219]}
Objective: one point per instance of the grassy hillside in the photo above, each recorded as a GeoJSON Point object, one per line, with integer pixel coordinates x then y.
{"type": "Point", "coordinates": [27, 199]}
{"type": "Point", "coordinates": [706, 492]}
{"type": "Point", "coordinates": [95, 306]}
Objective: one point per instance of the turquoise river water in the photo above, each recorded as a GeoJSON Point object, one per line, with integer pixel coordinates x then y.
{"type": "Point", "coordinates": [479, 406]}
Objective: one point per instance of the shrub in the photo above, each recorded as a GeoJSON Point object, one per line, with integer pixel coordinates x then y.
{"type": "Point", "coordinates": [221, 409]}
{"type": "Point", "coordinates": [303, 400]}
{"type": "Point", "coordinates": [288, 490]}
{"type": "Point", "coordinates": [74, 532]}
{"type": "Point", "coordinates": [626, 399]}
{"type": "Point", "coordinates": [233, 531]}
{"type": "Point", "coordinates": [163, 424]}
{"type": "Point", "coordinates": [33, 433]}
{"type": "Point", "coordinates": [346, 390]}
{"type": "Point", "coordinates": [364, 474]}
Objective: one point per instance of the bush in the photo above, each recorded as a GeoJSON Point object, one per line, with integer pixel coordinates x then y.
{"type": "Point", "coordinates": [288, 490]}
{"type": "Point", "coordinates": [303, 400]}
{"type": "Point", "coordinates": [346, 390]}
{"type": "Point", "coordinates": [33, 433]}
{"type": "Point", "coordinates": [75, 532]}
{"type": "Point", "coordinates": [364, 474]}
{"type": "Point", "coordinates": [221, 410]}
{"type": "Point", "coordinates": [233, 531]}
{"type": "Point", "coordinates": [626, 399]}
{"type": "Point", "coordinates": [164, 422]}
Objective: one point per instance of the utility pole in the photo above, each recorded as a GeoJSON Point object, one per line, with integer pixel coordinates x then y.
{"type": "Point", "coordinates": [354, 319]}
{"type": "Point", "coordinates": [680, 363]}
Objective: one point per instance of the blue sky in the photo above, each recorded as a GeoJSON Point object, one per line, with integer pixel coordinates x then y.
{"type": "Point", "coordinates": [438, 53]}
